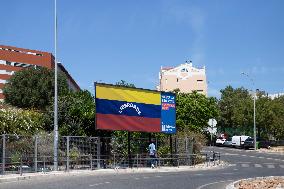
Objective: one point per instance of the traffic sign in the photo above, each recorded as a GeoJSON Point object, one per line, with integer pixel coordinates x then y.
{"type": "Point", "coordinates": [212, 122]}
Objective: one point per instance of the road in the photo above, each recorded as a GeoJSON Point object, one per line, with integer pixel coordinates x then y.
{"type": "Point", "coordinates": [244, 164]}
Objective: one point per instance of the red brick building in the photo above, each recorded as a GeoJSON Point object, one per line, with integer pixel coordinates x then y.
{"type": "Point", "coordinates": [13, 59]}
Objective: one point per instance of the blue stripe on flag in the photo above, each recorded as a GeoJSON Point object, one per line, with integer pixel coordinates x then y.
{"type": "Point", "coordinates": [128, 108]}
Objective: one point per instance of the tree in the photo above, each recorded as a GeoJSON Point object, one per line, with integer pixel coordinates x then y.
{"type": "Point", "coordinates": [76, 114]}
{"type": "Point", "coordinates": [33, 88]}
{"type": "Point", "coordinates": [277, 125]}
{"type": "Point", "coordinates": [20, 122]}
{"type": "Point", "coordinates": [236, 111]}
{"type": "Point", "coordinates": [193, 111]}
{"type": "Point", "coordinates": [124, 83]}
{"type": "Point", "coordinates": [265, 115]}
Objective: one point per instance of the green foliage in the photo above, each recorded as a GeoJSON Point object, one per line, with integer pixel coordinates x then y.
{"type": "Point", "coordinates": [33, 88]}
{"type": "Point", "coordinates": [18, 121]}
{"type": "Point", "coordinates": [124, 83]}
{"type": "Point", "coordinates": [276, 128]}
{"type": "Point", "coordinates": [236, 113]}
{"type": "Point", "coordinates": [16, 157]}
{"type": "Point", "coordinates": [193, 111]}
{"type": "Point", "coordinates": [236, 110]}
{"type": "Point", "coordinates": [17, 146]}
{"type": "Point", "coordinates": [119, 143]}
{"type": "Point", "coordinates": [74, 154]}
{"type": "Point", "coordinates": [76, 114]}
{"type": "Point", "coordinates": [44, 144]}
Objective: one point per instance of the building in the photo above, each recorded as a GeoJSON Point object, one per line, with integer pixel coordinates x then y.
{"type": "Point", "coordinates": [276, 95]}
{"type": "Point", "coordinates": [184, 77]}
{"type": "Point", "coordinates": [13, 59]}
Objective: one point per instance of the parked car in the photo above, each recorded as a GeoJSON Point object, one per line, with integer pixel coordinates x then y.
{"type": "Point", "coordinates": [228, 142]}
{"type": "Point", "coordinates": [238, 141]}
{"type": "Point", "coordinates": [249, 143]}
{"type": "Point", "coordinates": [220, 141]}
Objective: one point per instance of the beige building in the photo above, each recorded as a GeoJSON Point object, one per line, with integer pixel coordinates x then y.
{"type": "Point", "coordinates": [184, 77]}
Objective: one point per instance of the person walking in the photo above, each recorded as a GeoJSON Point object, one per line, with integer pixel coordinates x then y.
{"type": "Point", "coordinates": [152, 153]}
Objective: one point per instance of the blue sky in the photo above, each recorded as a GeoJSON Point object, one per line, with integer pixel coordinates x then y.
{"type": "Point", "coordinates": [111, 40]}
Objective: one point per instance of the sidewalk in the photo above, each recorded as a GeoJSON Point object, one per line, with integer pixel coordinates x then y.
{"type": "Point", "coordinates": [273, 150]}
{"type": "Point", "coordinates": [26, 176]}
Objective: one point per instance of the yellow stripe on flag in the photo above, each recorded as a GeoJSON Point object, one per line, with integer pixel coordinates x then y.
{"type": "Point", "coordinates": [110, 92]}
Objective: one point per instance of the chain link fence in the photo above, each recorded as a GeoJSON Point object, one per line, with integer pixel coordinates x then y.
{"type": "Point", "coordinates": [20, 154]}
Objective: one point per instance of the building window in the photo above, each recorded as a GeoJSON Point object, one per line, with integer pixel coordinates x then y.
{"type": "Point", "coordinates": [17, 64]}
{"type": "Point", "coordinates": [24, 52]}
{"type": "Point", "coordinates": [184, 70]}
{"type": "Point", "coordinates": [166, 81]}
{"type": "Point", "coordinates": [2, 62]}
{"type": "Point", "coordinates": [177, 80]}
{"type": "Point", "coordinates": [199, 80]}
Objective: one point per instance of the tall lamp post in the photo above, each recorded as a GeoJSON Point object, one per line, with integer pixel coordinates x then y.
{"type": "Point", "coordinates": [55, 149]}
{"type": "Point", "coordinates": [254, 98]}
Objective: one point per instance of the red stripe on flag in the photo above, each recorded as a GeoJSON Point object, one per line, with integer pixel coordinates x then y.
{"type": "Point", "coordinates": [128, 123]}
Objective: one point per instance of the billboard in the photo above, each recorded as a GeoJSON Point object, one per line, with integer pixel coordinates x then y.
{"type": "Point", "coordinates": [133, 109]}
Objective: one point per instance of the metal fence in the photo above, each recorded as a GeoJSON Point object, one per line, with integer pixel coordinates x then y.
{"type": "Point", "coordinates": [20, 154]}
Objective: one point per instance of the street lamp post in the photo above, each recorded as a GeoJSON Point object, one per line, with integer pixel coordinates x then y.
{"type": "Point", "coordinates": [55, 149]}
{"type": "Point", "coordinates": [254, 98]}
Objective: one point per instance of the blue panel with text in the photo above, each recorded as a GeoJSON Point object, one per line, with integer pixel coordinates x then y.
{"type": "Point", "coordinates": [168, 118]}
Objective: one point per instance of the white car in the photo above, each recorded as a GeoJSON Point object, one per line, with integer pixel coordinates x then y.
{"type": "Point", "coordinates": [220, 141]}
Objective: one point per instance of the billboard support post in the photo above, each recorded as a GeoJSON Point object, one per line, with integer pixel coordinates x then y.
{"type": "Point", "coordinates": [171, 149]}
{"type": "Point", "coordinates": [129, 151]}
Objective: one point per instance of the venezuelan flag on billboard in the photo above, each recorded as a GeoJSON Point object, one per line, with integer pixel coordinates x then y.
{"type": "Point", "coordinates": [133, 109]}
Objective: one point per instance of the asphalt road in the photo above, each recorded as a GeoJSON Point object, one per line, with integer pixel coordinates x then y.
{"type": "Point", "coordinates": [244, 164]}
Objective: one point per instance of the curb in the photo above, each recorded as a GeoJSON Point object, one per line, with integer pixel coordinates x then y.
{"type": "Point", "coordinates": [26, 177]}
{"type": "Point", "coordinates": [232, 185]}
{"type": "Point", "coordinates": [13, 179]}
{"type": "Point", "coordinates": [109, 171]}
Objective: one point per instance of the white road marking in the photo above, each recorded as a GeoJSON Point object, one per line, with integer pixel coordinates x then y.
{"type": "Point", "coordinates": [236, 169]}
{"type": "Point", "coordinates": [268, 158]}
{"type": "Point", "coordinates": [137, 178]}
{"type": "Point", "coordinates": [269, 163]}
{"type": "Point", "coordinates": [244, 162]}
{"type": "Point", "coordinates": [158, 176]}
{"type": "Point", "coordinates": [96, 184]}
{"type": "Point", "coordinates": [244, 155]}
{"type": "Point", "coordinates": [257, 165]}
{"type": "Point", "coordinates": [270, 166]}
{"type": "Point", "coordinates": [282, 166]}
{"type": "Point", "coordinates": [245, 165]}
{"type": "Point", "coordinates": [145, 177]}
{"type": "Point", "coordinates": [261, 157]}
{"type": "Point", "coordinates": [227, 173]}
{"type": "Point", "coordinates": [198, 174]}
{"type": "Point", "coordinates": [252, 156]}
{"type": "Point", "coordinates": [204, 185]}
